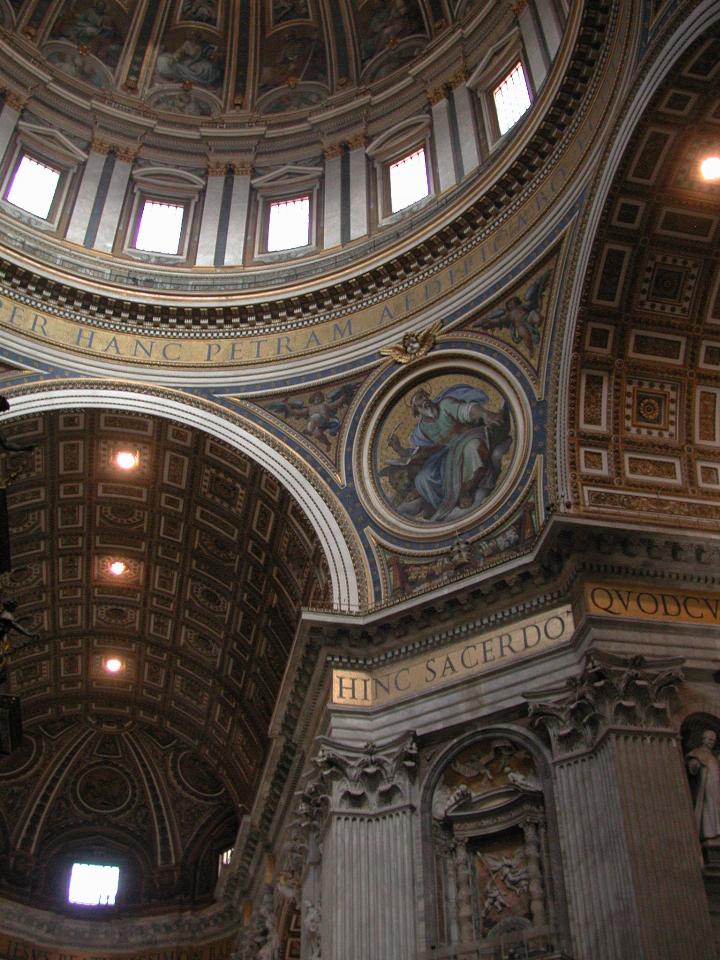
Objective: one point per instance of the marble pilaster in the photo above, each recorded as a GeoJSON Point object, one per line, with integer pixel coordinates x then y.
{"type": "Point", "coordinates": [631, 859]}
{"type": "Point", "coordinates": [368, 881]}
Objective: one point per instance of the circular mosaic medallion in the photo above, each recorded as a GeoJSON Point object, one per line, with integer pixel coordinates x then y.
{"type": "Point", "coordinates": [443, 448]}
{"type": "Point", "coordinates": [196, 776]}
{"type": "Point", "coordinates": [104, 789]}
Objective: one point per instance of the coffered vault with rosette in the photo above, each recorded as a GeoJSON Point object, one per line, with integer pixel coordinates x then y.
{"type": "Point", "coordinates": [360, 456]}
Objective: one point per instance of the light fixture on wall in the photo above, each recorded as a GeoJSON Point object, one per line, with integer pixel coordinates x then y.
{"type": "Point", "coordinates": [710, 168]}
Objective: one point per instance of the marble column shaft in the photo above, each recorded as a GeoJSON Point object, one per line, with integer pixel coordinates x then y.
{"type": "Point", "coordinates": [368, 887]}
{"type": "Point", "coordinates": [631, 861]}
{"type": "Point", "coordinates": [368, 850]}
{"type": "Point", "coordinates": [632, 864]}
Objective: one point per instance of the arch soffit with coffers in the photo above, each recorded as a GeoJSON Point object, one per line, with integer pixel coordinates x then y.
{"type": "Point", "coordinates": [348, 576]}
{"type": "Point", "coordinates": [688, 29]}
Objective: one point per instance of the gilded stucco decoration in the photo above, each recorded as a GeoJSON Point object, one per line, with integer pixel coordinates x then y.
{"type": "Point", "coordinates": [645, 388]}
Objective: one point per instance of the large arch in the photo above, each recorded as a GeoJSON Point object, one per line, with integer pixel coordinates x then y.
{"type": "Point", "coordinates": [347, 592]}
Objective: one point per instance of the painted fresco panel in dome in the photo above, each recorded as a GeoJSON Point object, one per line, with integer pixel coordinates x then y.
{"type": "Point", "coordinates": [316, 414]}
{"type": "Point", "coordinates": [285, 10]}
{"type": "Point", "coordinates": [200, 11]}
{"type": "Point", "coordinates": [78, 65]}
{"type": "Point", "coordinates": [381, 24]}
{"type": "Point", "coordinates": [190, 58]}
{"type": "Point", "coordinates": [519, 318]}
{"type": "Point", "coordinates": [95, 26]}
{"type": "Point", "coordinates": [442, 448]}
{"type": "Point", "coordinates": [293, 55]}
{"type": "Point", "coordinates": [285, 99]}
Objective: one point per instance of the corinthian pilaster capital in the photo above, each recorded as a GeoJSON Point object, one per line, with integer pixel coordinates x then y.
{"type": "Point", "coordinates": [611, 692]}
{"type": "Point", "coordinates": [370, 777]}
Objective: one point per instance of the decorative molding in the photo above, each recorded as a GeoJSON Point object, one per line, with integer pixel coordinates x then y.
{"type": "Point", "coordinates": [612, 692]}
{"type": "Point", "coordinates": [370, 778]}
{"type": "Point", "coordinates": [414, 346]}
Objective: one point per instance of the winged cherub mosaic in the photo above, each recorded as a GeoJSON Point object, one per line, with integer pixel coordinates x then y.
{"type": "Point", "coordinates": [320, 412]}
{"type": "Point", "coordinates": [521, 317]}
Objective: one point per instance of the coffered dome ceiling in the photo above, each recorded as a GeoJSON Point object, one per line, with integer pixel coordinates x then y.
{"type": "Point", "coordinates": [219, 560]}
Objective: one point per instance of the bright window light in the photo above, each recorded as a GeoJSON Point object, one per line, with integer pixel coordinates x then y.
{"type": "Point", "coordinates": [33, 187]}
{"type": "Point", "coordinates": [408, 180]}
{"type": "Point", "coordinates": [512, 98]}
{"type": "Point", "coordinates": [225, 858]}
{"type": "Point", "coordinates": [289, 224]}
{"type": "Point", "coordinates": [160, 227]}
{"type": "Point", "coordinates": [93, 885]}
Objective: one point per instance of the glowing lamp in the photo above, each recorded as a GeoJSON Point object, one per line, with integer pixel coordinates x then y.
{"type": "Point", "coordinates": [710, 168]}
{"type": "Point", "coordinates": [114, 665]}
{"type": "Point", "coordinates": [127, 459]}
{"type": "Point", "coordinates": [117, 568]}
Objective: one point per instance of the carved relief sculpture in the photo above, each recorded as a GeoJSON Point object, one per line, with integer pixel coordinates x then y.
{"type": "Point", "coordinates": [489, 836]}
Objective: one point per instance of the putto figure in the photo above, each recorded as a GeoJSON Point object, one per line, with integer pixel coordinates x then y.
{"type": "Point", "coordinates": [522, 318]}
{"type": "Point", "coordinates": [455, 457]}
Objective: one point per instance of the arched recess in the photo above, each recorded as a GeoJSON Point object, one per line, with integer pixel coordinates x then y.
{"type": "Point", "coordinates": [347, 591]}
{"type": "Point", "coordinates": [490, 844]}
{"type": "Point", "coordinates": [691, 27]}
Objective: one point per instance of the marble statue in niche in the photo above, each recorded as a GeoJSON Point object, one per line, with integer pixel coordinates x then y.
{"type": "Point", "coordinates": [489, 828]}
{"type": "Point", "coordinates": [312, 923]}
{"type": "Point", "coordinates": [704, 769]}
{"type": "Point", "coordinates": [443, 448]}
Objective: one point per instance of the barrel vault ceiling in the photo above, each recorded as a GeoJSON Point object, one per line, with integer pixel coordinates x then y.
{"type": "Point", "coordinates": [219, 560]}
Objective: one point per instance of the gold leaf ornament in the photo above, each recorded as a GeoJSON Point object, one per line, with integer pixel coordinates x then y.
{"type": "Point", "coordinates": [414, 346]}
